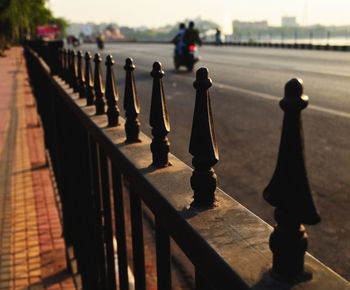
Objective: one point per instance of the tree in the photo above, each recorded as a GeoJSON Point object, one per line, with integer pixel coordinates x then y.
{"type": "Point", "coordinates": [4, 5]}
{"type": "Point", "coordinates": [19, 18]}
{"type": "Point", "coordinates": [62, 24]}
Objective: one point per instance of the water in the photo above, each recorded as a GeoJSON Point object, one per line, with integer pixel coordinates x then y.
{"type": "Point", "coordinates": [315, 41]}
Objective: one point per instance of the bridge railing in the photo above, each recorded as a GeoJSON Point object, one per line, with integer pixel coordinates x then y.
{"type": "Point", "coordinates": [109, 173]}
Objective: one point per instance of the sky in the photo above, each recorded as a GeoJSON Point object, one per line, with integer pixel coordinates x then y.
{"type": "Point", "coordinates": [156, 13]}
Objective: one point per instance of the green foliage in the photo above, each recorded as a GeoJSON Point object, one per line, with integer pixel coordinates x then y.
{"type": "Point", "coordinates": [4, 4]}
{"type": "Point", "coordinates": [19, 18]}
{"type": "Point", "coordinates": [165, 33]}
{"type": "Point", "coordinates": [62, 24]}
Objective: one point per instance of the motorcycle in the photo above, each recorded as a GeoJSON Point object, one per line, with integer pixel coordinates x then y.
{"type": "Point", "coordinates": [76, 42]}
{"type": "Point", "coordinates": [188, 58]}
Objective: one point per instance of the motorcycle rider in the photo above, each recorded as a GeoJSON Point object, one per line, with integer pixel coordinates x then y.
{"type": "Point", "coordinates": [100, 41]}
{"type": "Point", "coordinates": [188, 57]}
{"type": "Point", "coordinates": [191, 35]}
{"type": "Point", "coordinates": [218, 37]}
{"type": "Point", "coordinates": [177, 40]}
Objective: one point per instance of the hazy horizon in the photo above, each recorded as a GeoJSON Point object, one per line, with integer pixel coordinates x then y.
{"type": "Point", "coordinates": [158, 13]}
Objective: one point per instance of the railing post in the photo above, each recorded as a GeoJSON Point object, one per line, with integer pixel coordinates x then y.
{"type": "Point", "coordinates": [137, 241]}
{"type": "Point", "coordinates": [111, 94]}
{"type": "Point", "coordinates": [203, 144]}
{"type": "Point", "coordinates": [89, 83]}
{"type": "Point", "coordinates": [289, 191]}
{"type": "Point", "coordinates": [131, 104]}
{"type": "Point", "coordinates": [98, 86]}
{"type": "Point", "coordinates": [63, 63]}
{"type": "Point", "coordinates": [120, 231]}
{"type": "Point", "coordinates": [66, 65]}
{"type": "Point", "coordinates": [70, 68]}
{"type": "Point", "coordinates": [107, 220]}
{"type": "Point", "coordinates": [74, 72]}
{"type": "Point", "coordinates": [81, 75]}
{"type": "Point", "coordinates": [163, 256]}
{"type": "Point", "coordinates": [159, 119]}
{"type": "Point", "coordinates": [54, 47]}
{"type": "Point", "coordinates": [60, 62]}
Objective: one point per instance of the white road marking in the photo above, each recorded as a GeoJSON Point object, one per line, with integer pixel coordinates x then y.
{"type": "Point", "coordinates": [273, 98]}
{"type": "Point", "coordinates": [277, 99]}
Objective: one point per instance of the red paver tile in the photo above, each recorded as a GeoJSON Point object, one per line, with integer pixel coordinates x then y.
{"type": "Point", "coordinates": [32, 118]}
{"type": "Point", "coordinates": [36, 147]}
{"type": "Point", "coordinates": [32, 249]}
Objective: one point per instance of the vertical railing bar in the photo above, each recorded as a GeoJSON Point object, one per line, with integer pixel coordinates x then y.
{"type": "Point", "coordinates": [163, 256]}
{"type": "Point", "coordinates": [120, 228]}
{"type": "Point", "coordinates": [87, 218]}
{"type": "Point", "coordinates": [200, 282]}
{"type": "Point", "coordinates": [108, 232]}
{"type": "Point", "coordinates": [137, 241]}
{"type": "Point", "coordinates": [96, 187]}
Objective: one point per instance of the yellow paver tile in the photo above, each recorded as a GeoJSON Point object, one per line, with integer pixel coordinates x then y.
{"type": "Point", "coordinates": [21, 275]}
{"type": "Point", "coordinates": [19, 235]}
{"type": "Point", "coordinates": [35, 248]}
{"type": "Point", "coordinates": [34, 261]}
{"type": "Point", "coordinates": [4, 264]}
{"type": "Point", "coordinates": [32, 241]}
{"type": "Point", "coordinates": [21, 283]}
{"type": "Point", "coordinates": [5, 257]}
{"type": "Point", "coordinates": [21, 245]}
{"type": "Point", "coordinates": [5, 285]}
{"type": "Point", "coordinates": [34, 270]}
{"type": "Point", "coordinates": [20, 255]}
{"type": "Point", "coordinates": [21, 267]}
{"type": "Point", "coordinates": [33, 254]}
{"type": "Point", "coordinates": [36, 281]}
{"type": "Point", "coordinates": [6, 275]}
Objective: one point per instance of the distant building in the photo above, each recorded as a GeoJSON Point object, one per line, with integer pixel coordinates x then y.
{"type": "Point", "coordinates": [246, 26]}
{"type": "Point", "coordinates": [289, 21]}
{"type": "Point", "coordinates": [74, 28]}
{"type": "Point", "coordinates": [112, 34]}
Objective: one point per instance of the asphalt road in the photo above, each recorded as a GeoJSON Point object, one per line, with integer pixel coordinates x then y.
{"type": "Point", "coordinates": [247, 85]}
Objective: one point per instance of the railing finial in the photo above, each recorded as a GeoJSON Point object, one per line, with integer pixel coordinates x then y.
{"type": "Point", "coordinates": [98, 86]}
{"type": "Point", "coordinates": [159, 119]}
{"type": "Point", "coordinates": [131, 104]}
{"type": "Point", "coordinates": [203, 144]}
{"type": "Point", "coordinates": [111, 94]}
{"type": "Point", "coordinates": [89, 83]}
{"type": "Point", "coordinates": [81, 76]}
{"type": "Point", "coordinates": [289, 190]}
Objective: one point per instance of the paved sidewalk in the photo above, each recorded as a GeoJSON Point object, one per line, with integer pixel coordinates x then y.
{"type": "Point", "coordinates": [32, 250]}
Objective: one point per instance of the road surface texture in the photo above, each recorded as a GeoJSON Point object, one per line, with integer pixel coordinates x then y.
{"type": "Point", "coordinates": [247, 85]}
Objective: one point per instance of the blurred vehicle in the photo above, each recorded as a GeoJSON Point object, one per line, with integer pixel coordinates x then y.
{"type": "Point", "coordinates": [188, 58]}
{"type": "Point", "coordinates": [73, 40]}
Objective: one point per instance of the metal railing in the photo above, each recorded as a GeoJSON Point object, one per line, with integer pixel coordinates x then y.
{"type": "Point", "coordinates": [108, 172]}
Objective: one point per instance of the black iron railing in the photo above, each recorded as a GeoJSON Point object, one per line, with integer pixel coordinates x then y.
{"type": "Point", "coordinates": [108, 172]}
